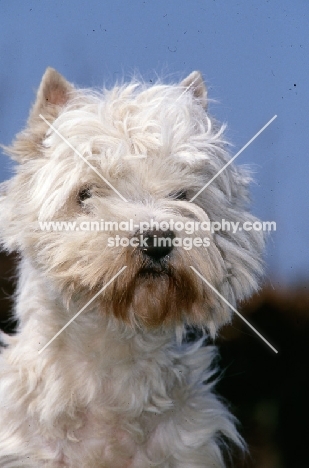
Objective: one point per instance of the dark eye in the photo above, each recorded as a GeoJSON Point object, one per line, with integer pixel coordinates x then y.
{"type": "Point", "coordinates": [83, 194]}
{"type": "Point", "coordinates": [179, 195]}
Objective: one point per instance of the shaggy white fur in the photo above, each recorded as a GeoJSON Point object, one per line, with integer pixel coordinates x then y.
{"type": "Point", "coordinates": [119, 387]}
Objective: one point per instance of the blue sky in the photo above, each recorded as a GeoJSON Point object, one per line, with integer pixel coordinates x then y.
{"type": "Point", "coordinates": [254, 56]}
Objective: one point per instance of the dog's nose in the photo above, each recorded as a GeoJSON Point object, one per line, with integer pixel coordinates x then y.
{"type": "Point", "coordinates": [158, 244]}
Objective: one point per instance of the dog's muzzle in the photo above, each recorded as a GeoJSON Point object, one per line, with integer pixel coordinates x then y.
{"type": "Point", "coordinates": [157, 244]}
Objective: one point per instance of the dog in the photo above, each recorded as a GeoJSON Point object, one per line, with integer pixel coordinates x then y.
{"type": "Point", "coordinates": [101, 372]}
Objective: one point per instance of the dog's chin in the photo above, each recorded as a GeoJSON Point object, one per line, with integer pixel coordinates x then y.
{"type": "Point", "coordinates": [158, 295]}
{"type": "Point", "coordinates": [154, 271]}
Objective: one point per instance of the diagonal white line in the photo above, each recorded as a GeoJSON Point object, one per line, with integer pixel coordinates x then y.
{"type": "Point", "coordinates": [234, 157]}
{"type": "Point", "coordinates": [82, 309]}
{"type": "Point", "coordinates": [82, 157]}
{"type": "Point", "coordinates": [187, 88]}
{"type": "Point", "coordinates": [234, 310]}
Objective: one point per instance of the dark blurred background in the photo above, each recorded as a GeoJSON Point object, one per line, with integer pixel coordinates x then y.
{"type": "Point", "coordinates": [254, 57]}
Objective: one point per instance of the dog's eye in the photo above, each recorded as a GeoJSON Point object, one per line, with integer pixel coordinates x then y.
{"type": "Point", "coordinates": [179, 195]}
{"type": "Point", "coordinates": [83, 194]}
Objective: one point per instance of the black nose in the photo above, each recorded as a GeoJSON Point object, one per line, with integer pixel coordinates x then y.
{"type": "Point", "coordinates": [159, 244]}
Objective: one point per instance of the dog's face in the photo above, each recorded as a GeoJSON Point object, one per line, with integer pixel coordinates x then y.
{"type": "Point", "coordinates": [133, 157]}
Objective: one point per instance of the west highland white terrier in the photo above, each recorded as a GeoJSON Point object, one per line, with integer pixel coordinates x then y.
{"type": "Point", "coordinates": [118, 258]}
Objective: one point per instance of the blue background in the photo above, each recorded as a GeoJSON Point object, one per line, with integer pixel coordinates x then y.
{"type": "Point", "coordinates": [254, 58]}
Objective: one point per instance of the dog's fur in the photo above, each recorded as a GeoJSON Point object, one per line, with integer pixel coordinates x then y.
{"type": "Point", "coordinates": [120, 387]}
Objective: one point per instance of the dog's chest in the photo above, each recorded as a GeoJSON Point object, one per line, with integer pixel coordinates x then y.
{"type": "Point", "coordinates": [119, 424]}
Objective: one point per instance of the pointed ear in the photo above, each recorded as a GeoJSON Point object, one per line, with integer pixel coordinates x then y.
{"type": "Point", "coordinates": [53, 93]}
{"type": "Point", "coordinates": [195, 84]}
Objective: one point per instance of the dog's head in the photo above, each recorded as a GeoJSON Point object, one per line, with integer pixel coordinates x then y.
{"type": "Point", "coordinates": [128, 166]}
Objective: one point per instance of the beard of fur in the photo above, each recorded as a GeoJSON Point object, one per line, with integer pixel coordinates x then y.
{"type": "Point", "coordinates": [152, 296]}
{"type": "Point", "coordinates": [147, 294]}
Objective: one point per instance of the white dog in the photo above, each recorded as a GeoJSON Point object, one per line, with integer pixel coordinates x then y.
{"type": "Point", "coordinates": [120, 386]}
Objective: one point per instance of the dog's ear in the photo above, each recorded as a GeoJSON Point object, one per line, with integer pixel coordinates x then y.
{"type": "Point", "coordinates": [53, 93]}
{"type": "Point", "coordinates": [195, 84]}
